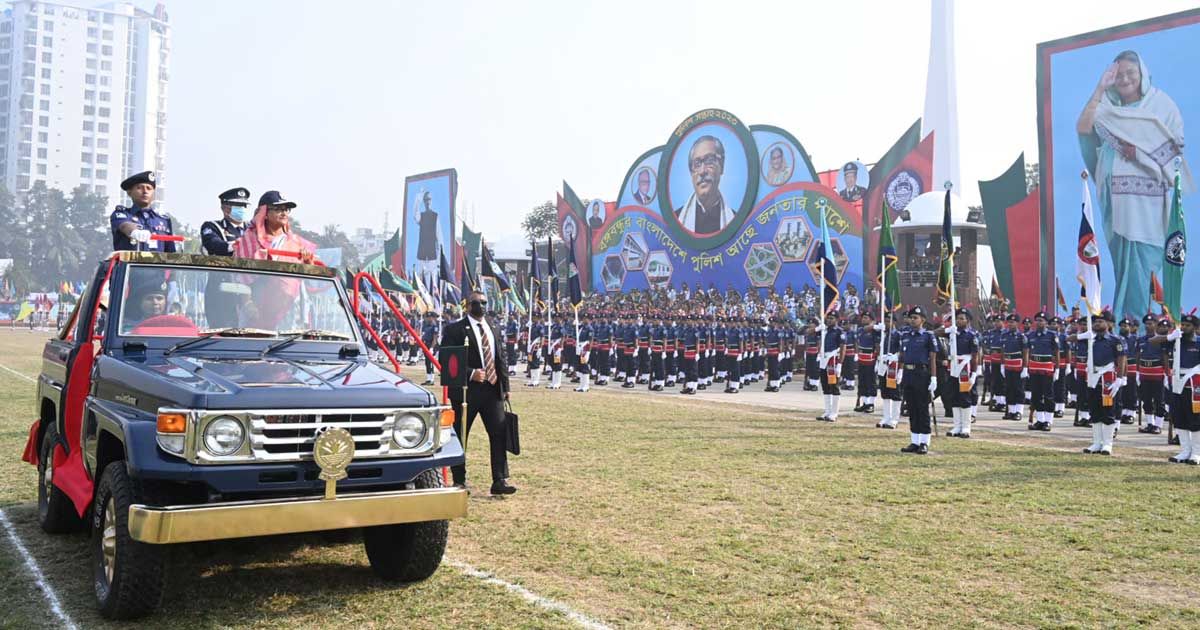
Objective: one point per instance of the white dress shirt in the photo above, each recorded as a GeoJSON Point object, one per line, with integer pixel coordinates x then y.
{"type": "Point", "coordinates": [487, 332]}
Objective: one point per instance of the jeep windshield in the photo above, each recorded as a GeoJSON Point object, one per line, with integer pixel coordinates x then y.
{"type": "Point", "coordinates": [167, 301]}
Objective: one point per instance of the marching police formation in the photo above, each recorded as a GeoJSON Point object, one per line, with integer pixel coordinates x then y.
{"type": "Point", "coordinates": [1032, 369]}
{"type": "Point", "coordinates": [1029, 369]}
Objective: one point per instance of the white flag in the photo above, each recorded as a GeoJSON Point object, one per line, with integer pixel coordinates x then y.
{"type": "Point", "coordinates": [1087, 263]}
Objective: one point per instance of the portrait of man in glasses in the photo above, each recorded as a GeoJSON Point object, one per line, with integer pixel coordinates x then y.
{"type": "Point", "coordinates": [706, 211]}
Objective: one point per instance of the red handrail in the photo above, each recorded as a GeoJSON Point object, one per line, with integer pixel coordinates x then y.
{"type": "Point", "coordinates": [400, 316]}
{"type": "Point", "coordinates": [167, 237]}
{"type": "Point", "coordinates": [291, 254]}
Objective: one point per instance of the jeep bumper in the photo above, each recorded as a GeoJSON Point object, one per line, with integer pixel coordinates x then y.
{"type": "Point", "coordinates": [219, 521]}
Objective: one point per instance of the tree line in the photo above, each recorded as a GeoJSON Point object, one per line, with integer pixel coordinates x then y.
{"type": "Point", "coordinates": [53, 236]}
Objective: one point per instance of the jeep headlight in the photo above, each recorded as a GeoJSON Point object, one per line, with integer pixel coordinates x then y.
{"type": "Point", "coordinates": [409, 431]}
{"type": "Point", "coordinates": [224, 436]}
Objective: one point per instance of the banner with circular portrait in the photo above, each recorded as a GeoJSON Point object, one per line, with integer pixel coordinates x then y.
{"type": "Point", "coordinates": [709, 178]}
{"type": "Point", "coordinates": [768, 204]}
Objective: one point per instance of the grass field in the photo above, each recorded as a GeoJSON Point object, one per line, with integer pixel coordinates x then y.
{"type": "Point", "coordinates": [649, 512]}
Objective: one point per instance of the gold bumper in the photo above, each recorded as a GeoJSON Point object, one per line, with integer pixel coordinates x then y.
{"type": "Point", "coordinates": [219, 521]}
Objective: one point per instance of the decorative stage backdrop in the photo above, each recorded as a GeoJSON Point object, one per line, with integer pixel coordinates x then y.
{"type": "Point", "coordinates": [1145, 75]}
{"type": "Point", "coordinates": [719, 204]}
{"type": "Point", "coordinates": [429, 200]}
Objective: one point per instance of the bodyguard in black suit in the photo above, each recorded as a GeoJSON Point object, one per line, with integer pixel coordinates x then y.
{"type": "Point", "coordinates": [486, 390]}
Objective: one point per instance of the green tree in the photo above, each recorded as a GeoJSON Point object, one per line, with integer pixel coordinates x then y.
{"type": "Point", "coordinates": [540, 222]}
{"type": "Point", "coordinates": [56, 250]}
{"type": "Point", "coordinates": [333, 236]}
{"type": "Point", "coordinates": [13, 241]}
{"type": "Point", "coordinates": [87, 214]}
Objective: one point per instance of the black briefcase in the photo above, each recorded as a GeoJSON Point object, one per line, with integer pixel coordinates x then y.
{"type": "Point", "coordinates": [512, 430]}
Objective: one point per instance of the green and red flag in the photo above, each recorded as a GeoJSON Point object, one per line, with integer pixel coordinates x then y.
{"type": "Point", "coordinates": [889, 276]}
{"type": "Point", "coordinates": [1175, 255]}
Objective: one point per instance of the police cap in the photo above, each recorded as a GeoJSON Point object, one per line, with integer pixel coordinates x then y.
{"type": "Point", "coordinates": [235, 197]}
{"type": "Point", "coordinates": [1190, 319]}
{"type": "Point", "coordinates": [1148, 318]}
{"type": "Point", "coordinates": [145, 177]}
{"type": "Point", "coordinates": [916, 310]}
{"type": "Point", "coordinates": [1041, 315]}
{"type": "Point", "coordinates": [965, 312]}
{"type": "Point", "coordinates": [1108, 316]}
{"type": "Point", "coordinates": [1013, 317]}
{"type": "Point", "coordinates": [275, 198]}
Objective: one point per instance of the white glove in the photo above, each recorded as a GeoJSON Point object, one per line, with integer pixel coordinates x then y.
{"type": "Point", "coordinates": [821, 328]}
{"type": "Point", "coordinates": [1116, 387]}
{"type": "Point", "coordinates": [932, 386]}
{"type": "Point", "coordinates": [1025, 373]}
{"type": "Point", "coordinates": [878, 327]}
{"type": "Point", "coordinates": [1002, 370]}
{"type": "Point", "coordinates": [1084, 336]}
{"type": "Point", "coordinates": [880, 368]}
{"type": "Point", "coordinates": [140, 236]}
{"type": "Point", "coordinates": [1174, 334]}
{"type": "Point", "coordinates": [947, 329]}
{"type": "Point", "coordinates": [838, 369]}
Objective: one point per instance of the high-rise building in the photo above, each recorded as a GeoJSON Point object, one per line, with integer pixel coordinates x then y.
{"type": "Point", "coordinates": [83, 95]}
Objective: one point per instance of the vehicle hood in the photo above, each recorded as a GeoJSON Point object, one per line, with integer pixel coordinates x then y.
{"type": "Point", "coordinates": [249, 383]}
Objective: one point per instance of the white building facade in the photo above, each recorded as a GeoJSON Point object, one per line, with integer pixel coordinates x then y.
{"type": "Point", "coordinates": [83, 95]}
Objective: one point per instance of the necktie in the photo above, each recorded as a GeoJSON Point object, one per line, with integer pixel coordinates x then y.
{"type": "Point", "coordinates": [489, 365]}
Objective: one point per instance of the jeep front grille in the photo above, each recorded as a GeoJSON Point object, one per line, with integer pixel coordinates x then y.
{"type": "Point", "coordinates": [292, 436]}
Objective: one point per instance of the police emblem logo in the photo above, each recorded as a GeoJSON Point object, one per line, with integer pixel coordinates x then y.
{"type": "Point", "coordinates": [150, 176]}
{"type": "Point", "coordinates": [242, 194]}
{"type": "Point", "coordinates": [902, 189]}
{"type": "Point", "coordinates": [1176, 249]}
{"type": "Point", "coordinates": [333, 450]}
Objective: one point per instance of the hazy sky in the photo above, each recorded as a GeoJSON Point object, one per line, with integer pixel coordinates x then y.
{"type": "Point", "coordinates": [334, 103]}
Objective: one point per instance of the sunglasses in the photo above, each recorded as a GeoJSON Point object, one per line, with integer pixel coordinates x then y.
{"type": "Point", "coordinates": [280, 209]}
{"type": "Point", "coordinates": [479, 302]}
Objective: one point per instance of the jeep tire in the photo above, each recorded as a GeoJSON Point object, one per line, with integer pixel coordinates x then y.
{"type": "Point", "coordinates": [128, 575]}
{"type": "Point", "coordinates": [56, 513]}
{"type": "Point", "coordinates": [408, 552]}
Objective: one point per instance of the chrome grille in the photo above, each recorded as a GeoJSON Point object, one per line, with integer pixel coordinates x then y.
{"type": "Point", "coordinates": [291, 436]}
{"type": "Point", "coordinates": [294, 435]}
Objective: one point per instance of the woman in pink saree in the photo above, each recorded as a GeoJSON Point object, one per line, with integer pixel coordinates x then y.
{"type": "Point", "coordinates": [270, 234]}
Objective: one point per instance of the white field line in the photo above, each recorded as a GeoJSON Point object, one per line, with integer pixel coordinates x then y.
{"type": "Point", "coordinates": [38, 577]}
{"type": "Point", "coordinates": [533, 598]}
{"type": "Point", "coordinates": [526, 594]}
{"type": "Point", "coordinates": [17, 374]}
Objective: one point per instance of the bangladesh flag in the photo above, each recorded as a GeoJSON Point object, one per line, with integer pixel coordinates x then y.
{"type": "Point", "coordinates": [391, 254]}
{"type": "Point", "coordinates": [1175, 254]}
{"type": "Point", "coordinates": [889, 278]}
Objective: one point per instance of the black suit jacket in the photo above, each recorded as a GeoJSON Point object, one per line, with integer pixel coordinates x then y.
{"type": "Point", "coordinates": [462, 332]}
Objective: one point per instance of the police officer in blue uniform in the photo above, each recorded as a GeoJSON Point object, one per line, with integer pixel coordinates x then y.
{"type": "Point", "coordinates": [1107, 379]}
{"type": "Point", "coordinates": [918, 356]}
{"type": "Point", "coordinates": [132, 226]}
{"type": "Point", "coordinates": [1013, 345]}
{"type": "Point", "coordinates": [1185, 393]}
{"type": "Point", "coordinates": [217, 237]}
{"type": "Point", "coordinates": [961, 373]}
{"type": "Point", "coordinates": [1041, 359]}
{"type": "Point", "coordinates": [583, 353]}
{"type": "Point", "coordinates": [430, 333]}
{"type": "Point", "coordinates": [830, 361]}
{"type": "Point", "coordinates": [1151, 374]}
{"type": "Point", "coordinates": [221, 293]}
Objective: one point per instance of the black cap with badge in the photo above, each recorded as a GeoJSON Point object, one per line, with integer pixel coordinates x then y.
{"type": "Point", "coordinates": [145, 177]}
{"type": "Point", "coordinates": [235, 197]}
{"type": "Point", "coordinates": [275, 198]}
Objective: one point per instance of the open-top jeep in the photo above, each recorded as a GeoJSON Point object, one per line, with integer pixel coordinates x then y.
{"type": "Point", "coordinates": [193, 398]}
